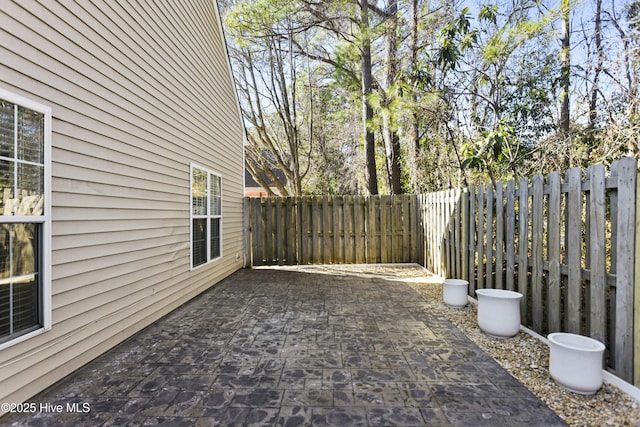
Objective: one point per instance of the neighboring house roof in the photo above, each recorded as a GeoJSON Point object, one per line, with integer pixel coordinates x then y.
{"type": "Point", "coordinates": [254, 189]}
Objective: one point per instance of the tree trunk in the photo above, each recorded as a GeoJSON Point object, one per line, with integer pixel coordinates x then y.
{"type": "Point", "coordinates": [565, 77]}
{"type": "Point", "coordinates": [390, 135]}
{"type": "Point", "coordinates": [413, 135]}
{"type": "Point", "coordinates": [367, 110]}
{"type": "Point", "coordinates": [593, 102]}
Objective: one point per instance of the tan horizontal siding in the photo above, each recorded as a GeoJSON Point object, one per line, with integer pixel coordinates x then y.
{"type": "Point", "coordinates": [96, 72]}
{"type": "Point", "coordinates": [76, 350]}
{"type": "Point", "coordinates": [135, 273]}
{"type": "Point", "coordinates": [64, 231]}
{"type": "Point", "coordinates": [140, 247]}
{"type": "Point", "coordinates": [138, 90]}
{"type": "Point", "coordinates": [62, 242]}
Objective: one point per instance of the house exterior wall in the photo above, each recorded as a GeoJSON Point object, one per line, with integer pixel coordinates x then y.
{"type": "Point", "coordinates": [139, 91]}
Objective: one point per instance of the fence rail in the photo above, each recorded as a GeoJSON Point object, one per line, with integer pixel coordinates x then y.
{"type": "Point", "coordinates": [568, 244]}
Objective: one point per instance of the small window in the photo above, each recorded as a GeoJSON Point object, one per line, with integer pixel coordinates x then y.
{"type": "Point", "coordinates": [25, 135]}
{"type": "Point", "coordinates": [206, 216]}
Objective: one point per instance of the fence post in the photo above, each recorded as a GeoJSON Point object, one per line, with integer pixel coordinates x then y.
{"type": "Point", "coordinates": [464, 233]}
{"type": "Point", "coordinates": [626, 171]}
{"type": "Point", "coordinates": [480, 240]}
{"type": "Point", "coordinates": [256, 232]}
{"type": "Point", "coordinates": [636, 295]}
{"type": "Point", "coordinates": [471, 243]}
{"type": "Point", "coordinates": [246, 226]}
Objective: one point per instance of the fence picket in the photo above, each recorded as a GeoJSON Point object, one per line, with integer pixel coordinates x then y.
{"type": "Point", "coordinates": [471, 244]}
{"type": "Point", "coordinates": [523, 245]}
{"type": "Point", "coordinates": [553, 252]}
{"type": "Point", "coordinates": [499, 251]}
{"type": "Point", "coordinates": [464, 234]}
{"type": "Point", "coordinates": [511, 234]}
{"type": "Point", "coordinates": [455, 202]}
{"type": "Point", "coordinates": [489, 238]}
{"type": "Point", "coordinates": [325, 243]}
{"type": "Point", "coordinates": [385, 244]}
{"type": "Point", "coordinates": [626, 172]}
{"type": "Point", "coordinates": [412, 233]}
{"type": "Point", "coordinates": [256, 235]}
{"type": "Point", "coordinates": [597, 260]}
{"type": "Point", "coordinates": [359, 226]}
{"type": "Point", "coordinates": [338, 227]}
{"type": "Point", "coordinates": [480, 230]}
{"type": "Point", "coordinates": [372, 229]}
{"type": "Point", "coordinates": [348, 231]}
{"type": "Point", "coordinates": [305, 227]}
{"type": "Point", "coordinates": [537, 213]}
{"type": "Point", "coordinates": [246, 238]}
{"type": "Point", "coordinates": [268, 237]}
{"type": "Point", "coordinates": [291, 229]}
{"type": "Point", "coordinates": [279, 232]}
{"type": "Point", "coordinates": [572, 248]}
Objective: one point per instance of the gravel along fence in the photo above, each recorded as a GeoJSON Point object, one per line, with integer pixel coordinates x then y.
{"type": "Point", "coordinates": [527, 359]}
{"type": "Point", "coordinates": [524, 356]}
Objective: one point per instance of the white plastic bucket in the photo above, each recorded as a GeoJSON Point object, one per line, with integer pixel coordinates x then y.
{"type": "Point", "coordinates": [454, 292]}
{"type": "Point", "coordinates": [499, 312]}
{"type": "Point", "coordinates": [575, 362]}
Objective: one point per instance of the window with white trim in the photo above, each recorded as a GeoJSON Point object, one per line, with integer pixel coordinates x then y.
{"type": "Point", "coordinates": [25, 143]}
{"type": "Point", "coordinates": [206, 216]}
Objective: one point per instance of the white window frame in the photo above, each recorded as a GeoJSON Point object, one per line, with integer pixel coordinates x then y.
{"type": "Point", "coordinates": [45, 219]}
{"type": "Point", "coordinates": [208, 216]}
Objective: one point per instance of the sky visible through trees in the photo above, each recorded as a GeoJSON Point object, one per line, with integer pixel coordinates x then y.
{"type": "Point", "coordinates": [400, 96]}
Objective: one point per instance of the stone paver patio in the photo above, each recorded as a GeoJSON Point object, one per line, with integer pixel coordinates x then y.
{"type": "Point", "coordinates": [296, 348]}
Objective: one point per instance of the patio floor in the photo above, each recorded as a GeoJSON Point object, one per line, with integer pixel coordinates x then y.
{"type": "Point", "coordinates": [296, 348]}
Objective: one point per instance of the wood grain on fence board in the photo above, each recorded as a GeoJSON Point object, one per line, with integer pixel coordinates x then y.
{"type": "Point", "coordinates": [597, 279]}
{"type": "Point", "coordinates": [472, 242]}
{"type": "Point", "coordinates": [256, 227]}
{"type": "Point", "coordinates": [553, 252]}
{"type": "Point", "coordinates": [636, 303]}
{"type": "Point", "coordinates": [573, 248]}
{"type": "Point", "coordinates": [480, 233]}
{"type": "Point", "coordinates": [464, 234]}
{"type": "Point", "coordinates": [489, 238]}
{"type": "Point", "coordinates": [625, 170]}
{"type": "Point", "coordinates": [246, 225]}
{"type": "Point", "coordinates": [499, 251]}
{"type": "Point", "coordinates": [523, 245]}
{"type": "Point", "coordinates": [537, 214]}
{"type": "Point", "coordinates": [511, 233]}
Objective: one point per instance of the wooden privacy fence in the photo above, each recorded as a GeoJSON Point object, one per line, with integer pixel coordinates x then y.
{"type": "Point", "coordinates": [569, 246]}
{"type": "Point", "coordinates": [332, 229]}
